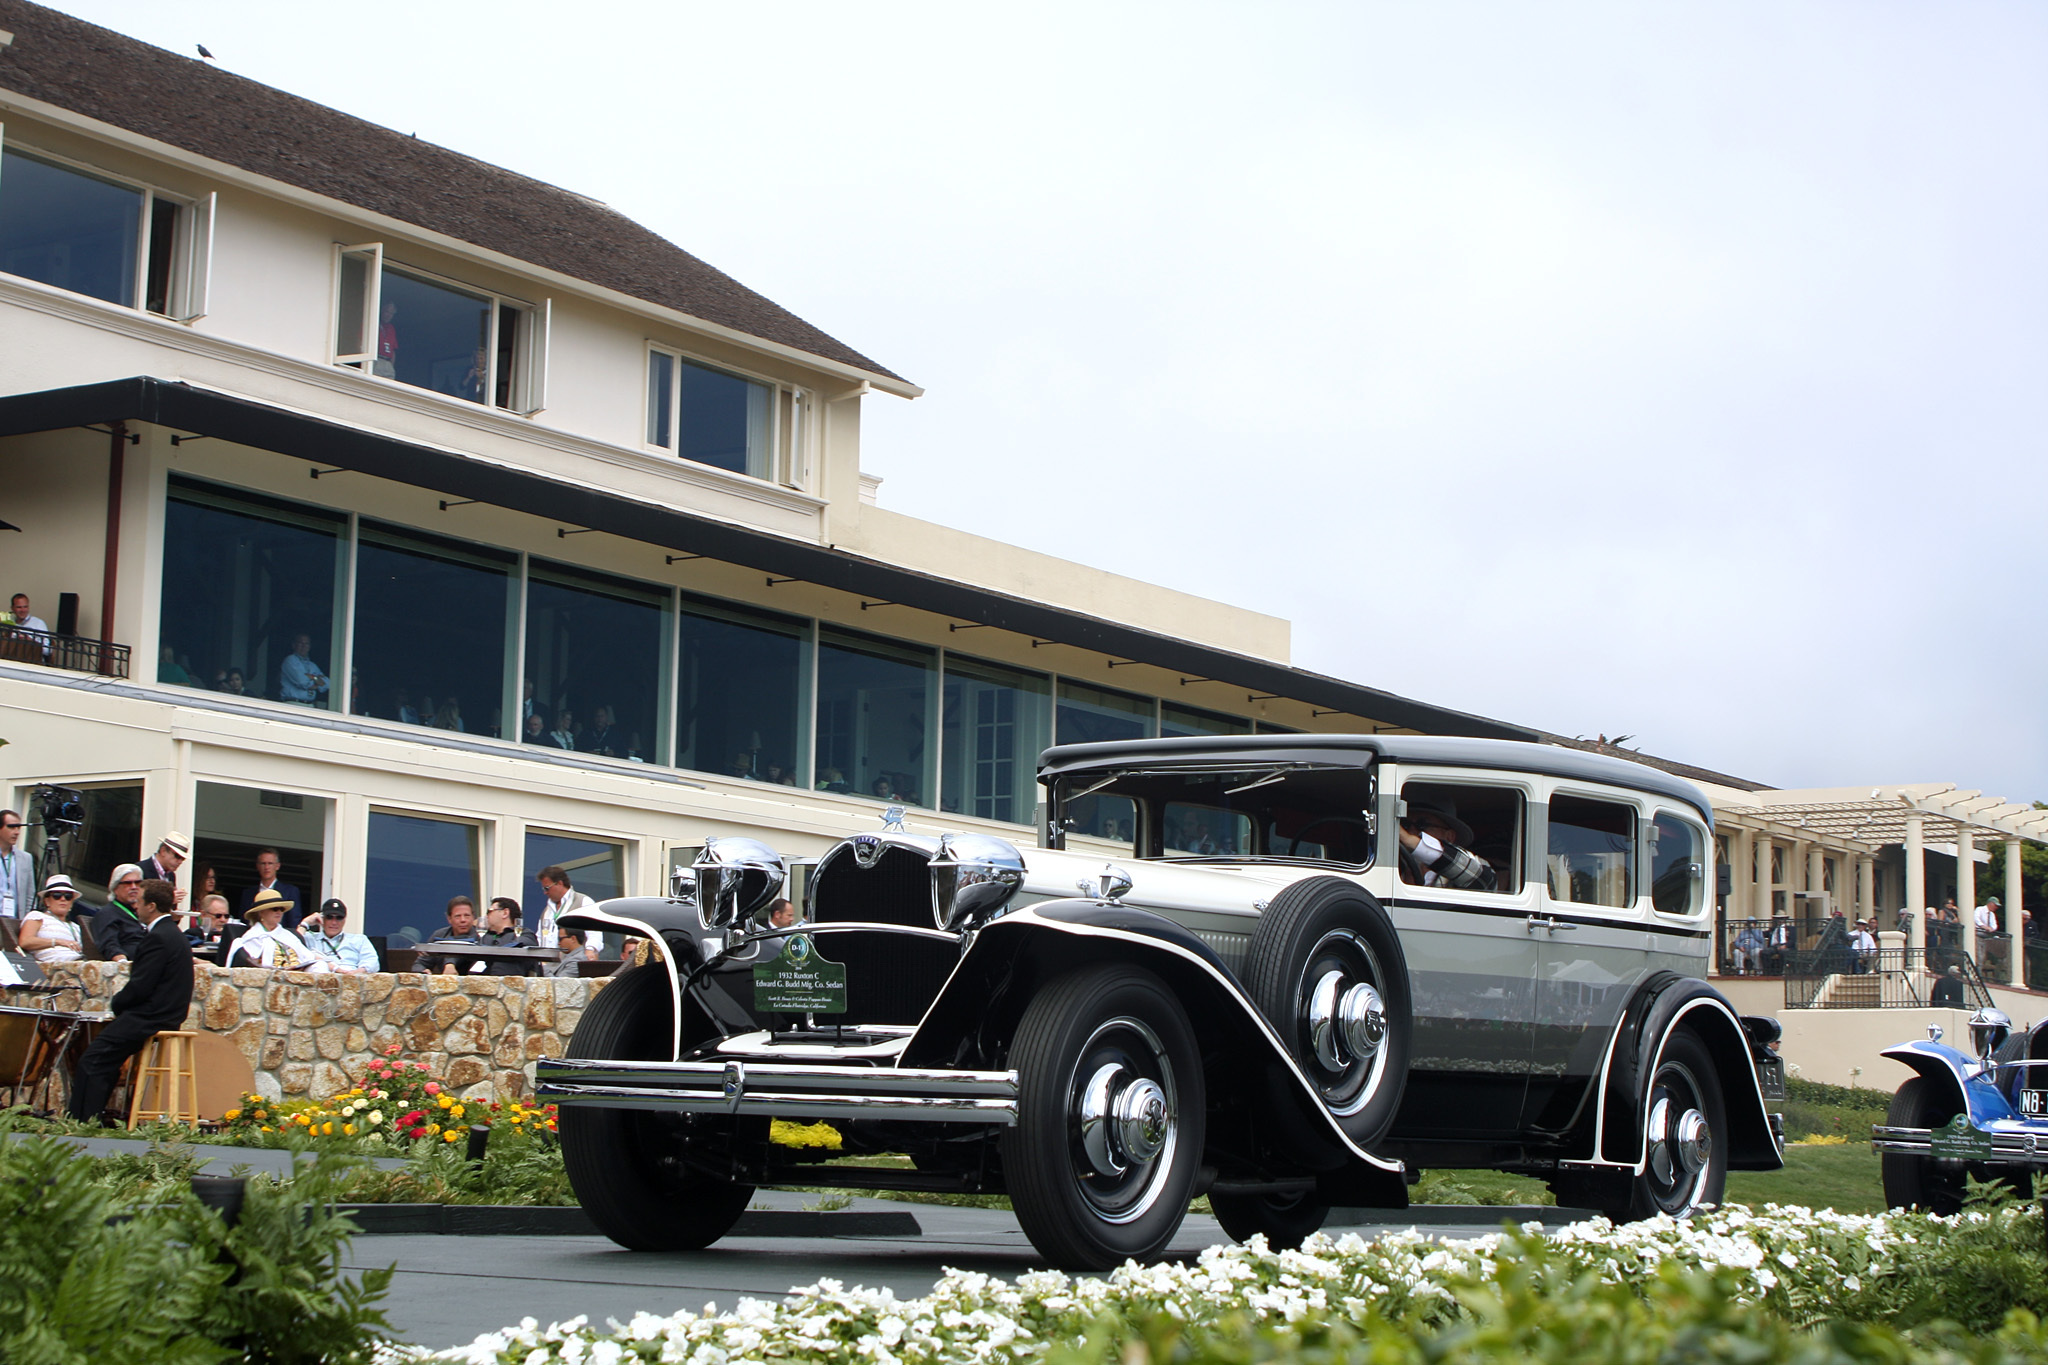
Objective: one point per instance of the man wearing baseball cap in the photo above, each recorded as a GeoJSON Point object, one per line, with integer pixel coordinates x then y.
{"type": "Point", "coordinates": [351, 954]}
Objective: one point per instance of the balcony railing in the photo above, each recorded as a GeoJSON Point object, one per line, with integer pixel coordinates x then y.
{"type": "Point", "coordinates": [1836, 976]}
{"type": "Point", "coordinates": [73, 652]}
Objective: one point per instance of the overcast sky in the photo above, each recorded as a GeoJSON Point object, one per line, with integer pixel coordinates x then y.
{"type": "Point", "coordinates": [1673, 371]}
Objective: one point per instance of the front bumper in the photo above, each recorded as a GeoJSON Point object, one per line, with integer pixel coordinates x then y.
{"type": "Point", "coordinates": [783, 1090]}
{"type": "Point", "coordinates": [2008, 1147]}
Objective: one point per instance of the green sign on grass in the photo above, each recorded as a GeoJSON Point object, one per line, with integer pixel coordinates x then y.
{"type": "Point", "coordinates": [798, 980]}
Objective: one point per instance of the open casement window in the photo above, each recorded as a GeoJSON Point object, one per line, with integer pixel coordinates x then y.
{"type": "Point", "coordinates": [360, 270]}
{"type": "Point", "coordinates": [70, 227]}
{"type": "Point", "coordinates": [439, 335]}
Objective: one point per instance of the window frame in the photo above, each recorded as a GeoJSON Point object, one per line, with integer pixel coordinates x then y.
{"type": "Point", "coordinates": [1632, 907]}
{"type": "Point", "coordinates": [792, 422]}
{"type": "Point", "coordinates": [187, 289]}
{"type": "Point", "coordinates": [1393, 797]}
{"type": "Point", "coordinates": [527, 391]}
{"type": "Point", "coordinates": [1705, 861]}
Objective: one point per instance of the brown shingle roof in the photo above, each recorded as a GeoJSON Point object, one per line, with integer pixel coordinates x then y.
{"type": "Point", "coordinates": [185, 102]}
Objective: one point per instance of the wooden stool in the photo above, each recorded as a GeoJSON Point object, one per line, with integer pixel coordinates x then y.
{"type": "Point", "coordinates": [166, 1061]}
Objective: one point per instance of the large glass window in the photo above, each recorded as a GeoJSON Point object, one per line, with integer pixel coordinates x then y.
{"type": "Point", "coordinates": [428, 333]}
{"type": "Point", "coordinates": [707, 415]}
{"type": "Point", "coordinates": [245, 580]}
{"type": "Point", "coordinates": [995, 721]}
{"type": "Point", "coordinates": [1187, 720]}
{"type": "Point", "coordinates": [596, 867]}
{"type": "Point", "coordinates": [1592, 851]}
{"type": "Point", "coordinates": [94, 236]}
{"type": "Point", "coordinates": [111, 834]}
{"type": "Point", "coordinates": [415, 865]}
{"type": "Point", "coordinates": [874, 701]}
{"type": "Point", "coordinates": [593, 655]}
{"type": "Point", "coordinates": [740, 692]}
{"type": "Point", "coordinates": [431, 642]}
{"type": "Point", "coordinates": [1090, 715]}
{"type": "Point", "coordinates": [232, 827]}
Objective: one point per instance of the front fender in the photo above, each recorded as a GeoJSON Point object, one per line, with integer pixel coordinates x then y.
{"type": "Point", "coordinates": [1956, 1075]}
{"type": "Point", "coordinates": [1012, 957]}
{"type": "Point", "coordinates": [674, 925]}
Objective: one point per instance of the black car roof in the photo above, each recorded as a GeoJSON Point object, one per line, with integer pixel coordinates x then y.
{"type": "Point", "coordinates": [1550, 760]}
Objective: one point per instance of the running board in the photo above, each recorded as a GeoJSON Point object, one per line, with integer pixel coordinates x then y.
{"type": "Point", "coordinates": [782, 1090]}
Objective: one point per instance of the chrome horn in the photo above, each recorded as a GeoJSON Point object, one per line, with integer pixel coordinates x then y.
{"type": "Point", "coordinates": [973, 878]}
{"type": "Point", "coordinates": [737, 879]}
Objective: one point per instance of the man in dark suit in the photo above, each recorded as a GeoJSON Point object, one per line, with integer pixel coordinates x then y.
{"type": "Point", "coordinates": [158, 993]}
{"type": "Point", "coordinates": [267, 865]}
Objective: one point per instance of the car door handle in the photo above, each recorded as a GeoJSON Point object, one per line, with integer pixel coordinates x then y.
{"type": "Point", "coordinates": [1550, 925]}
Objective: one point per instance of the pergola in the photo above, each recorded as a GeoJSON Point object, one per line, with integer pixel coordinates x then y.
{"type": "Point", "coordinates": [1859, 822]}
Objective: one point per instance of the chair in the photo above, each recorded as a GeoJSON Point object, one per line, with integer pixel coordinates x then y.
{"type": "Point", "coordinates": [165, 1060]}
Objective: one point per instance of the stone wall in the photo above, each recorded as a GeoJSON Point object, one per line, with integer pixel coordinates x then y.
{"type": "Point", "coordinates": [311, 1035]}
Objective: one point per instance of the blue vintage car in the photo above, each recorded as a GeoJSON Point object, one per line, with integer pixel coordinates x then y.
{"type": "Point", "coordinates": [1960, 1116]}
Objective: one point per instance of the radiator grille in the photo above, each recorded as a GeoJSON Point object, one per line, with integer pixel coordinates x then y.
{"type": "Point", "coordinates": [890, 978]}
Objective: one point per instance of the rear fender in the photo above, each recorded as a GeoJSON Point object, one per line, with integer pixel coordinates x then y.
{"type": "Point", "coordinates": [1012, 957]}
{"type": "Point", "coordinates": [1956, 1076]}
{"type": "Point", "coordinates": [1665, 1003]}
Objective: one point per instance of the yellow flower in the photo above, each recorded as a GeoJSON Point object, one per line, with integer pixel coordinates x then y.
{"type": "Point", "coordinates": [232, 1115]}
{"type": "Point", "coordinates": [446, 1103]}
{"type": "Point", "coordinates": [347, 1129]}
{"type": "Point", "coordinates": [327, 1130]}
{"type": "Point", "coordinates": [266, 1127]}
{"type": "Point", "coordinates": [433, 1128]}
{"type": "Point", "coordinates": [457, 1111]}
{"type": "Point", "coordinates": [450, 1135]}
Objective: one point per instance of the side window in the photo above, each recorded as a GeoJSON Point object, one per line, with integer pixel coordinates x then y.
{"type": "Point", "coordinates": [110, 240]}
{"type": "Point", "coordinates": [1205, 829]}
{"type": "Point", "coordinates": [1466, 837]}
{"type": "Point", "coordinates": [1677, 872]}
{"type": "Point", "coordinates": [1592, 851]}
{"type": "Point", "coordinates": [437, 335]}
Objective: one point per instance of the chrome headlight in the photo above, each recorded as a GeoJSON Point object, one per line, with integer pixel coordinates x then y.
{"type": "Point", "coordinates": [682, 884]}
{"type": "Point", "coordinates": [736, 880]}
{"type": "Point", "coordinates": [1989, 1029]}
{"type": "Point", "coordinates": [973, 878]}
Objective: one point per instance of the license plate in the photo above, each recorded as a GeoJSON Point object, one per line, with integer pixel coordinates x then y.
{"type": "Point", "coordinates": [2034, 1103]}
{"type": "Point", "coordinates": [1770, 1078]}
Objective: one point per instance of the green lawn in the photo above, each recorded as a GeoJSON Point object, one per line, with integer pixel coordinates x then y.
{"type": "Point", "coordinates": [1844, 1178]}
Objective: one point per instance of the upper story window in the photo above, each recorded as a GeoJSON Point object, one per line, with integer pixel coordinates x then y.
{"type": "Point", "coordinates": [724, 420]}
{"type": "Point", "coordinates": [433, 334]}
{"type": "Point", "coordinates": [75, 229]}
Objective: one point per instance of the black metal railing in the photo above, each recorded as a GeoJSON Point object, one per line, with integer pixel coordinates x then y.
{"type": "Point", "coordinates": [1836, 976]}
{"type": "Point", "coordinates": [1755, 947]}
{"type": "Point", "coordinates": [74, 652]}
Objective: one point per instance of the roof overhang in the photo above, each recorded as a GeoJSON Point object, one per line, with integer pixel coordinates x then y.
{"type": "Point", "coordinates": [1877, 816]}
{"type": "Point", "coordinates": [202, 412]}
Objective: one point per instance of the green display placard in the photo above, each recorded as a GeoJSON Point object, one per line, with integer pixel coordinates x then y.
{"type": "Point", "coordinates": [798, 980]}
{"type": "Point", "coordinates": [1959, 1142]}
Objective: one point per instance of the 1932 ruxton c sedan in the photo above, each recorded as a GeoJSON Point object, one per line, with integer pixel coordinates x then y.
{"type": "Point", "coordinates": [1960, 1116]}
{"type": "Point", "coordinates": [1286, 971]}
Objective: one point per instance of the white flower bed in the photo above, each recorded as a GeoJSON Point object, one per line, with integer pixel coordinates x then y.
{"type": "Point", "coordinates": [1796, 1259]}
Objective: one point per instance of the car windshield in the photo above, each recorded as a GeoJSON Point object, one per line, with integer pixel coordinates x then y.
{"type": "Point", "coordinates": [1282, 811]}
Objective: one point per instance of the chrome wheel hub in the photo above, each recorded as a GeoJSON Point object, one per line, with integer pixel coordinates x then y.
{"type": "Point", "coordinates": [1681, 1143]}
{"type": "Point", "coordinates": [1124, 1120]}
{"type": "Point", "coordinates": [1347, 1021]}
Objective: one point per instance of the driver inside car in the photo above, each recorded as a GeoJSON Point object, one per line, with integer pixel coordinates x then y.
{"type": "Point", "coordinates": [1433, 851]}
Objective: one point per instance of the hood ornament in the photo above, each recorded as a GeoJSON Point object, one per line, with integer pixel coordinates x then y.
{"type": "Point", "coordinates": [1109, 886]}
{"type": "Point", "coordinates": [892, 820]}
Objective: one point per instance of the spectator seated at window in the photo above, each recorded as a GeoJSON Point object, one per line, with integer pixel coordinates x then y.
{"type": "Point", "coordinates": [349, 954]}
{"type": "Point", "coordinates": [269, 944]}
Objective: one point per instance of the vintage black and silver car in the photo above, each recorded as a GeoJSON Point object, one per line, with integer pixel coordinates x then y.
{"type": "Point", "coordinates": [1285, 971]}
{"type": "Point", "coordinates": [1961, 1115]}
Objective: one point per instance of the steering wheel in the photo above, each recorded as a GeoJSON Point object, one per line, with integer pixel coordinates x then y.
{"type": "Point", "coordinates": [1349, 821]}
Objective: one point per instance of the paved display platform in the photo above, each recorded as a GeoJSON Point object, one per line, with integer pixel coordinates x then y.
{"type": "Point", "coordinates": [449, 1290]}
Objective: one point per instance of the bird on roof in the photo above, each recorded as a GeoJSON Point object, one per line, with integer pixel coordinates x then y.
{"type": "Point", "coordinates": [204, 54]}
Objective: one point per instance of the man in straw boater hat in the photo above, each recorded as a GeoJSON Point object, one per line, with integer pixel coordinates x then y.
{"type": "Point", "coordinates": [158, 993]}
{"type": "Point", "coordinates": [269, 944]}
